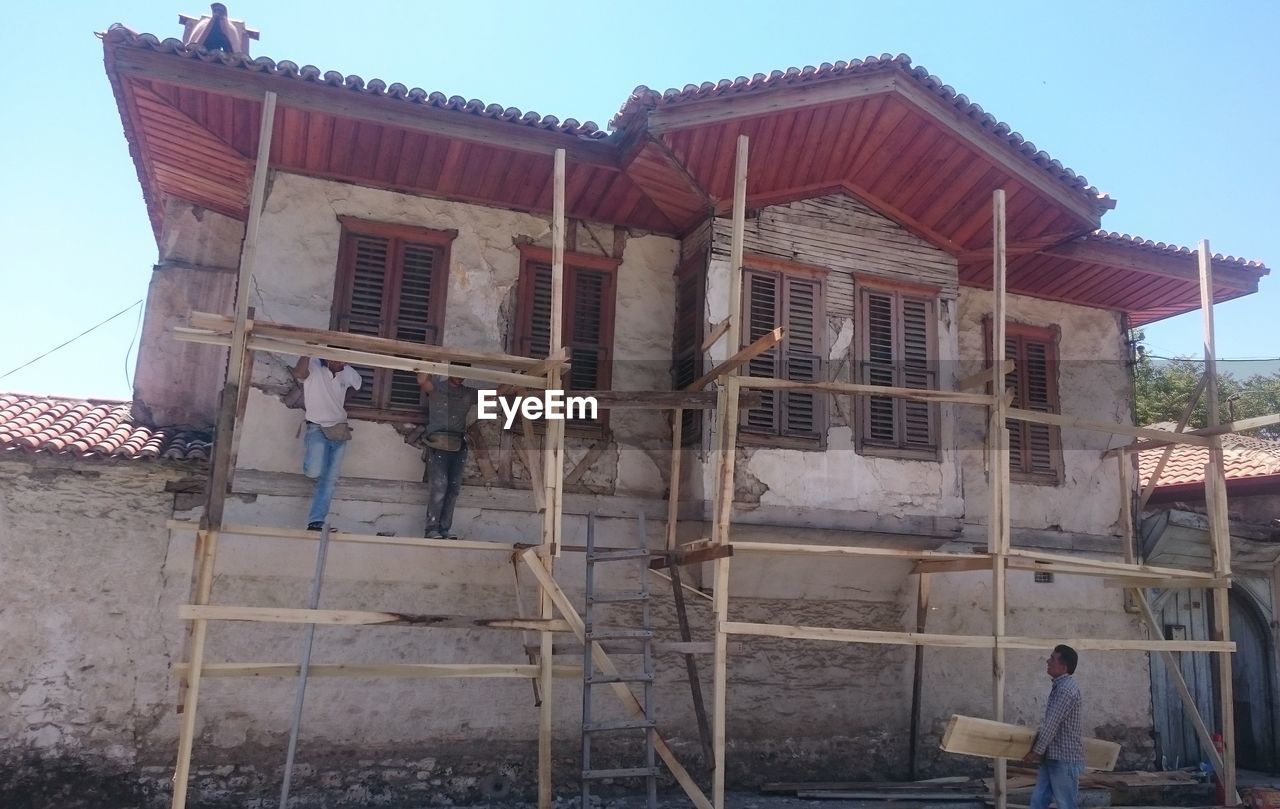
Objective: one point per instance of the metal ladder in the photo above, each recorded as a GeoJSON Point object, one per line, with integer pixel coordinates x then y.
{"type": "Point", "coordinates": [591, 678]}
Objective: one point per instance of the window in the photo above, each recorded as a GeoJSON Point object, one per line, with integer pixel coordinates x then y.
{"type": "Point", "coordinates": [588, 311]}
{"type": "Point", "coordinates": [391, 283]}
{"type": "Point", "coordinates": [776, 293]}
{"type": "Point", "coordinates": [897, 348]}
{"type": "Point", "coordinates": [686, 347]}
{"type": "Point", "coordinates": [1035, 450]}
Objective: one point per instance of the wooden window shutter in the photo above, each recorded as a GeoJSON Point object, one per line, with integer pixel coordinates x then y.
{"type": "Point", "coordinates": [763, 300]}
{"type": "Point", "coordinates": [686, 345]}
{"type": "Point", "coordinates": [802, 317]}
{"type": "Point", "coordinates": [392, 281]}
{"type": "Point", "coordinates": [1034, 449]}
{"type": "Point", "coordinates": [898, 350]}
{"type": "Point", "coordinates": [589, 330]}
{"type": "Point", "coordinates": [534, 337]}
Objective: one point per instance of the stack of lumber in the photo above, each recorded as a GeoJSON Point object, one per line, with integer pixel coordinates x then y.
{"type": "Point", "coordinates": [971, 736]}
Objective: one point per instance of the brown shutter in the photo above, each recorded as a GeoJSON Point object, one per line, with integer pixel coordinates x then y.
{"type": "Point", "coordinates": [369, 270]}
{"type": "Point", "coordinates": [879, 367]}
{"type": "Point", "coordinates": [1034, 450]}
{"type": "Point", "coordinates": [1039, 453]}
{"type": "Point", "coordinates": [591, 293]}
{"type": "Point", "coordinates": [413, 321]}
{"type": "Point", "coordinates": [762, 302]}
{"type": "Point", "coordinates": [686, 345]}
{"type": "Point", "coordinates": [801, 349]}
{"type": "Point", "coordinates": [1013, 383]}
{"type": "Point", "coordinates": [534, 338]}
{"type": "Point", "coordinates": [917, 417]}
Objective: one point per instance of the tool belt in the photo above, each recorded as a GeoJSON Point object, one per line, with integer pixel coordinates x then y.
{"type": "Point", "coordinates": [444, 441]}
{"type": "Point", "coordinates": [338, 432]}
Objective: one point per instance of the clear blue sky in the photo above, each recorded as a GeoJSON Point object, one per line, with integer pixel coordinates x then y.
{"type": "Point", "coordinates": [1171, 107]}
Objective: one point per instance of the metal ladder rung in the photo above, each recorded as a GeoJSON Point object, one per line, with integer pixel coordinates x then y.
{"type": "Point", "coordinates": [619, 634]}
{"type": "Point", "coordinates": [613, 598]}
{"type": "Point", "coordinates": [617, 556]}
{"type": "Point", "coordinates": [629, 772]}
{"type": "Point", "coordinates": [631, 677]}
{"type": "Point", "coordinates": [619, 724]}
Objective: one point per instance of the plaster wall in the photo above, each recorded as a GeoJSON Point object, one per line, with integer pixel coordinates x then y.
{"type": "Point", "coordinates": [295, 284]}
{"type": "Point", "coordinates": [1093, 384]}
{"type": "Point", "coordinates": [176, 382]}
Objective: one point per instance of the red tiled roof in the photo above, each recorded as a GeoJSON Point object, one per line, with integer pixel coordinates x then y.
{"type": "Point", "coordinates": [1111, 237]}
{"type": "Point", "coordinates": [643, 98]}
{"type": "Point", "coordinates": [95, 428]}
{"type": "Point", "coordinates": [352, 82]}
{"type": "Point", "coordinates": [1244, 457]}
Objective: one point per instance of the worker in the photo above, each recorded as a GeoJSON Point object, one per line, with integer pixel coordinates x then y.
{"type": "Point", "coordinates": [1059, 744]}
{"type": "Point", "coordinates": [324, 392]}
{"type": "Point", "coordinates": [449, 402]}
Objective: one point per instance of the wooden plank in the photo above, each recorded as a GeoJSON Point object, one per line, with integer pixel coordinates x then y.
{"type": "Point", "coordinates": [220, 323]}
{"type": "Point", "coordinates": [956, 566]}
{"type": "Point", "coordinates": [717, 331]}
{"type": "Point", "coordinates": [356, 357]}
{"type": "Point", "coordinates": [283, 615]}
{"type": "Point", "coordinates": [857, 550]}
{"type": "Point", "coordinates": [264, 532]}
{"type": "Point", "coordinates": [1106, 427]}
{"type": "Point", "coordinates": [606, 666]}
{"type": "Point", "coordinates": [593, 454]}
{"type": "Point", "coordinates": [741, 358]}
{"type": "Point", "coordinates": [424, 671]}
{"type": "Point", "coordinates": [914, 394]}
{"type": "Point", "coordinates": [685, 588]}
{"type": "Point", "coordinates": [655, 399]}
{"type": "Point", "coordinates": [970, 736]}
{"type": "Point", "coordinates": [985, 376]}
{"type": "Point", "coordinates": [917, 675]}
{"type": "Point", "coordinates": [1168, 584]}
{"type": "Point", "coordinates": [674, 559]}
{"type": "Point", "coordinates": [691, 666]}
{"type": "Point", "coordinates": [1108, 568]}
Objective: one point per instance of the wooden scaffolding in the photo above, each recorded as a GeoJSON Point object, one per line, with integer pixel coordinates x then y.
{"type": "Point", "coordinates": [556, 612]}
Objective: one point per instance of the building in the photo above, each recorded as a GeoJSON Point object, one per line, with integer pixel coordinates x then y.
{"type": "Point", "coordinates": [399, 213]}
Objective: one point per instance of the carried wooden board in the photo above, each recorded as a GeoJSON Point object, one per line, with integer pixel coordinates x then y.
{"type": "Point", "coordinates": [970, 736]}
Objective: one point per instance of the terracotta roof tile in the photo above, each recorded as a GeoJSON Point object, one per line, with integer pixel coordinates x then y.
{"type": "Point", "coordinates": [118, 33]}
{"type": "Point", "coordinates": [643, 98]}
{"type": "Point", "coordinates": [1110, 237]}
{"type": "Point", "coordinates": [81, 428]}
{"type": "Point", "coordinates": [1243, 457]}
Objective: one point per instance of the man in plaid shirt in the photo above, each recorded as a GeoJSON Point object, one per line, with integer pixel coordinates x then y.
{"type": "Point", "coordinates": [1059, 746]}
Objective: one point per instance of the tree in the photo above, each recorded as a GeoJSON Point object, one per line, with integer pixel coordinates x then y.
{"type": "Point", "coordinates": [1165, 387]}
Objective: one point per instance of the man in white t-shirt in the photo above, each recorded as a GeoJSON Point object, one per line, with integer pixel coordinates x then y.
{"type": "Point", "coordinates": [324, 391]}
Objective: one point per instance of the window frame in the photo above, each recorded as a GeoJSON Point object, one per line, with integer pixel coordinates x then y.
{"type": "Point", "coordinates": [397, 234]}
{"type": "Point", "coordinates": [867, 285]}
{"type": "Point", "coordinates": [756, 263]}
{"type": "Point", "coordinates": [531, 255]}
{"type": "Point", "coordinates": [1050, 336]}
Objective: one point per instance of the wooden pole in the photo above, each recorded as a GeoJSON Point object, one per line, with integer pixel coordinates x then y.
{"type": "Point", "coordinates": [917, 675]}
{"type": "Point", "coordinates": [1219, 530]}
{"type": "Point", "coordinates": [220, 469]}
{"type": "Point", "coordinates": [998, 440]}
{"type": "Point", "coordinates": [724, 492]}
{"type": "Point", "coordinates": [552, 479]}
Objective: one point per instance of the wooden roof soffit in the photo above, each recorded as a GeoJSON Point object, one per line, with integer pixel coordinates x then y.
{"type": "Point", "coordinates": [665, 180]}
{"type": "Point", "coordinates": [237, 82]}
{"type": "Point", "coordinates": [734, 107]}
{"type": "Point", "coordinates": [1183, 267]}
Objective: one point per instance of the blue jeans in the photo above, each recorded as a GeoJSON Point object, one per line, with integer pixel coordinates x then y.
{"type": "Point", "coordinates": [321, 462]}
{"type": "Point", "coordinates": [1059, 780]}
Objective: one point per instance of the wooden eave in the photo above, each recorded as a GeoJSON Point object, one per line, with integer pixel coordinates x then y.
{"type": "Point", "coordinates": [186, 117]}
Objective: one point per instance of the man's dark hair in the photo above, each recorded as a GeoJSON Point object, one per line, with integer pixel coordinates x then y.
{"type": "Point", "coordinates": [1068, 656]}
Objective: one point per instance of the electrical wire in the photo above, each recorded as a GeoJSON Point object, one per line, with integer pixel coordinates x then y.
{"type": "Point", "coordinates": [138, 302]}
{"type": "Point", "coordinates": [128, 380]}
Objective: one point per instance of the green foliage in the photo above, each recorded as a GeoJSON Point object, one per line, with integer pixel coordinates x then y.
{"type": "Point", "coordinates": [1165, 387]}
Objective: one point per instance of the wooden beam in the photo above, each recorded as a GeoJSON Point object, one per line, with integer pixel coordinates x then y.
{"type": "Point", "coordinates": [913, 394]}
{"type": "Point", "coordinates": [762, 344]}
{"type": "Point", "coordinates": [343, 102]}
{"type": "Point", "coordinates": [902, 554]}
{"type": "Point", "coordinates": [377, 360]}
{"type": "Point", "coordinates": [998, 481]}
{"type": "Point", "coordinates": [1108, 568]}
{"type": "Point", "coordinates": [283, 615]}
{"type": "Point", "coordinates": [653, 399]}
{"type": "Point", "coordinates": [891, 638]}
{"type": "Point", "coordinates": [298, 534]}
{"type": "Point", "coordinates": [606, 665]}
{"type": "Point", "coordinates": [425, 671]}
{"type": "Point", "coordinates": [1168, 584]}
{"type": "Point", "coordinates": [1106, 427]}
{"type": "Point", "coordinates": [970, 736]}
{"type": "Point", "coordinates": [717, 331]}
{"type": "Point", "coordinates": [956, 566]}
{"type": "Point", "coordinates": [983, 377]}
{"type": "Point", "coordinates": [917, 675]}
{"type": "Point", "coordinates": [362, 342]}
{"type": "Point", "coordinates": [674, 559]}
